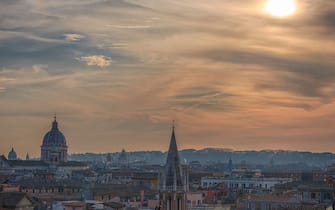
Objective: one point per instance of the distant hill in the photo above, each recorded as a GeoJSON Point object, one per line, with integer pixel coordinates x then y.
{"type": "Point", "coordinates": [214, 155]}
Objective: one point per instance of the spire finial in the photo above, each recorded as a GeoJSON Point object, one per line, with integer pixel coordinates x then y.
{"type": "Point", "coordinates": [173, 124]}
{"type": "Point", "coordinates": [55, 116]}
{"type": "Point", "coordinates": [54, 123]}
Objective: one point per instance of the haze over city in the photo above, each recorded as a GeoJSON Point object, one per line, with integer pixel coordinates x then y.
{"type": "Point", "coordinates": [244, 75]}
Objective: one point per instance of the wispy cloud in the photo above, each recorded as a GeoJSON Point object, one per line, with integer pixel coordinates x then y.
{"type": "Point", "coordinates": [130, 26]}
{"type": "Point", "coordinates": [97, 60]}
{"type": "Point", "coordinates": [74, 37]}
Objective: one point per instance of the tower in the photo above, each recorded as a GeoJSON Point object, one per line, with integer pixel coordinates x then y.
{"type": "Point", "coordinates": [123, 161]}
{"type": "Point", "coordinates": [172, 192]}
{"type": "Point", "coordinates": [230, 166]}
{"type": "Point", "coordinates": [54, 148]}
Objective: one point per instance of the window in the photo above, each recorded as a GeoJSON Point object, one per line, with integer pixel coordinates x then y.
{"type": "Point", "coordinates": [327, 196]}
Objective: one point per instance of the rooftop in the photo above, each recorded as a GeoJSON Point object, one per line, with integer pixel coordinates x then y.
{"type": "Point", "coordinates": [12, 199]}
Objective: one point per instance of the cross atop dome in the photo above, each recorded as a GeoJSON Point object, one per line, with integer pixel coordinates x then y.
{"type": "Point", "coordinates": [55, 123]}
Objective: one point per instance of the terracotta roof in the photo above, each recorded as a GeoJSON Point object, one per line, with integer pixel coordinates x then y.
{"type": "Point", "coordinates": [11, 199]}
{"type": "Point", "coordinates": [273, 198]}
{"type": "Point", "coordinates": [74, 203]}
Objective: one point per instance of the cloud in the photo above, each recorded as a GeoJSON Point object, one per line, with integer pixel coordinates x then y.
{"type": "Point", "coordinates": [327, 18]}
{"type": "Point", "coordinates": [40, 69]}
{"type": "Point", "coordinates": [97, 60]}
{"type": "Point", "coordinates": [130, 26]}
{"type": "Point", "coordinates": [73, 37]}
{"type": "Point", "coordinates": [237, 76]}
{"type": "Point", "coordinates": [207, 98]}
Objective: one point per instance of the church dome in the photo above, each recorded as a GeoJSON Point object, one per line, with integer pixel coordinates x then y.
{"type": "Point", "coordinates": [54, 137]}
{"type": "Point", "coordinates": [12, 155]}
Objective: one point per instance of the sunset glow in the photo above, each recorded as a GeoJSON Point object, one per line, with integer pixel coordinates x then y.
{"type": "Point", "coordinates": [245, 75]}
{"type": "Point", "coordinates": [280, 8]}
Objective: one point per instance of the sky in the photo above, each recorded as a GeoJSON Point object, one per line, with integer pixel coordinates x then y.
{"type": "Point", "coordinates": [118, 72]}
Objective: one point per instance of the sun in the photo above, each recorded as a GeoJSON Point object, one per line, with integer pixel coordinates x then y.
{"type": "Point", "coordinates": [280, 8]}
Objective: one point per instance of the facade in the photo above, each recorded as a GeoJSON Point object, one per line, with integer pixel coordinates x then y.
{"type": "Point", "coordinates": [316, 194]}
{"type": "Point", "coordinates": [5, 167]}
{"type": "Point", "coordinates": [269, 202]}
{"type": "Point", "coordinates": [306, 198]}
{"type": "Point", "coordinates": [54, 148]}
{"type": "Point", "coordinates": [243, 183]}
{"type": "Point", "coordinates": [194, 199]}
{"type": "Point", "coordinates": [172, 192]}
{"type": "Point", "coordinates": [74, 205]}
{"type": "Point", "coordinates": [51, 190]}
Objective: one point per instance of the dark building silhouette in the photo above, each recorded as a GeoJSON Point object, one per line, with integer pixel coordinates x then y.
{"type": "Point", "coordinates": [12, 154]}
{"type": "Point", "coordinates": [230, 166]}
{"type": "Point", "coordinates": [123, 161]}
{"type": "Point", "coordinates": [173, 188]}
{"type": "Point", "coordinates": [54, 148]}
{"type": "Point", "coordinates": [109, 158]}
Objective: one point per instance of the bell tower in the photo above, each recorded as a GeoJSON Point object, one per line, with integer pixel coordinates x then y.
{"type": "Point", "coordinates": [172, 190]}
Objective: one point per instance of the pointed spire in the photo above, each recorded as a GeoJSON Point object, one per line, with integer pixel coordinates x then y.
{"type": "Point", "coordinates": [173, 143]}
{"type": "Point", "coordinates": [173, 137]}
{"type": "Point", "coordinates": [173, 176]}
{"type": "Point", "coordinates": [27, 156]}
{"type": "Point", "coordinates": [55, 123]}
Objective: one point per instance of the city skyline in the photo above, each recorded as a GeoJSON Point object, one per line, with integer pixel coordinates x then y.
{"type": "Point", "coordinates": [236, 75]}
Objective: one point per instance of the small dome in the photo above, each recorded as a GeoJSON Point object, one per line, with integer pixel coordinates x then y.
{"type": "Point", "coordinates": [54, 136]}
{"type": "Point", "coordinates": [12, 155]}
